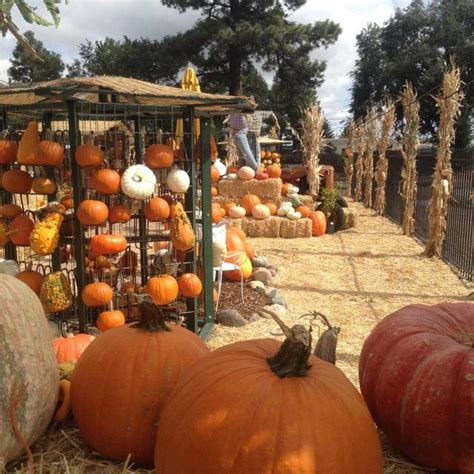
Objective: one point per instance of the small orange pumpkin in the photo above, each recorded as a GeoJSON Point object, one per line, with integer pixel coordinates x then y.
{"type": "Point", "coordinates": [119, 214]}
{"type": "Point", "coordinates": [106, 181]}
{"type": "Point", "coordinates": [273, 208]}
{"type": "Point", "coordinates": [8, 151]}
{"type": "Point", "coordinates": [70, 348]}
{"type": "Point", "coordinates": [157, 209]}
{"type": "Point", "coordinates": [273, 171]}
{"type": "Point", "coordinates": [285, 188]}
{"type": "Point", "coordinates": [89, 155]}
{"type": "Point", "coordinates": [20, 229]}
{"type": "Point", "coordinates": [97, 294]}
{"type": "Point", "coordinates": [92, 212]}
{"type": "Point", "coordinates": [215, 175]}
{"type": "Point", "coordinates": [216, 214]}
{"type": "Point", "coordinates": [67, 202]}
{"type": "Point", "coordinates": [31, 278]}
{"type": "Point", "coordinates": [159, 156]}
{"type": "Point", "coordinates": [304, 210]}
{"type": "Point", "coordinates": [214, 191]}
{"type": "Point", "coordinates": [110, 319]}
{"type": "Point", "coordinates": [189, 285]}
{"type": "Point", "coordinates": [17, 181]}
{"type": "Point", "coordinates": [43, 186]}
{"type": "Point", "coordinates": [318, 220]}
{"type": "Point", "coordinates": [162, 289]}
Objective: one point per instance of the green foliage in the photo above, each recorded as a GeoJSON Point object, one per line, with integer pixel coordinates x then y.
{"type": "Point", "coordinates": [329, 197]}
{"type": "Point", "coordinates": [25, 68]}
{"type": "Point", "coordinates": [415, 45]}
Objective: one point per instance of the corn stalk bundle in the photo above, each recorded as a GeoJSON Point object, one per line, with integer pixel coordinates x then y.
{"type": "Point", "coordinates": [382, 164]}
{"type": "Point", "coordinates": [359, 162]}
{"type": "Point", "coordinates": [449, 105]}
{"type": "Point", "coordinates": [232, 157]}
{"type": "Point", "coordinates": [369, 156]}
{"type": "Point", "coordinates": [349, 158]}
{"type": "Point", "coordinates": [411, 108]}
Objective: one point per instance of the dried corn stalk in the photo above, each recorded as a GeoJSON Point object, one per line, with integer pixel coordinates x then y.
{"type": "Point", "coordinates": [382, 163]}
{"type": "Point", "coordinates": [349, 158]}
{"type": "Point", "coordinates": [359, 162]}
{"type": "Point", "coordinates": [232, 157]}
{"type": "Point", "coordinates": [449, 105]}
{"type": "Point", "coordinates": [411, 108]}
{"type": "Point", "coordinates": [371, 124]}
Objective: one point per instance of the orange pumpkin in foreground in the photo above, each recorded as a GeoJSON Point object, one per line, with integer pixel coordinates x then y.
{"type": "Point", "coordinates": [159, 156]}
{"type": "Point", "coordinates": [127, 398]}
{"type": "Point", "coordinates": [261, 406]}
{"type": "Point", "coordinates": [318, 221]}
{"type": "Point", "coordinates": [70, 348]}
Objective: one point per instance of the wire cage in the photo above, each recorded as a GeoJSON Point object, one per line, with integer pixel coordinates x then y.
{"type": "Point", "coordinates": [123, 126]}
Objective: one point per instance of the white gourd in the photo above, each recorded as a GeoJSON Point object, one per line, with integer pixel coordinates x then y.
{"type": "Point", "coordinates": [138, 182]}
{"type": "Point", "coordinates": [178, 181]}
{"type": "Point", "coordinates": [231, 177]}
{"type": "Point", "coordinates": [237, 212]}
{"type": "Point", "coordinates": [282, 211]}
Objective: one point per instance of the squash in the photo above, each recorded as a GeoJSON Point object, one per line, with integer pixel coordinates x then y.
{"type": "Point", "coordinates": [92, 212]}
{"type": "Point", "coordinates": [106, 181]}
{"type": "Point", "coordinates": [138, 182]}
{"type": "Point", "coordinates": [285, 188]}
{"type": "Point", "coordinates": [293, 215]}
{"type": "Point", "coordinates": [128, 400]}
{"type": "Point", "coordinates": [45, 235]}
{"type": "Point", "coordinates": [55, 293]}
{"type": "Point", "coordinates": [416, 375]}
{"type": "Point", "coordinates": [89, 155]}
{"type": "Point", "coordinates": [8, 151]}
{"type": "Point", "coordinates": [20, 230]}
{"type": "Point", "coordinates": [182, 234]}
{"type": "Point", "coordinates": [49, 153]}
{"type": "Point", "coordinates": [245, 173]}
{"type": "Point", "coordinates": [159, 156]}
{"type": "Point", "coordinates": [28, 143]}
{"type": "Point", "coordinates": [189, 285]}
{"type": "Point", "coordinates": [178, 181]}
{"type": "Point", "coordinates": [17, 181]}
{"type": "Point", "coordinates": [282, 211]}
{"type": "Point", "coordinates": [231, 176]}
{"type": "Point", "coordinates": [248, 202]}
{"type": "Point", "coordinates": [293, 405]}
{"type": "Point", "coordinates": [29, 378]}
{"type": "Point", "coordinates": [318, 223]}
{"type": "Point", "coordinates": [260, 211]}
{"type": "Point", "coordinates": [236, 212]}
{"type": "Point", "coordinates": [43, 186]}
{"type": "Point", "coordinates": [70, 348]}
{"type": "Point", "coordinates": [163, 289]}
{"type": "Point", "coordinates": [157, 209]}
{"type": "Point", "coordinates": [120, 214]}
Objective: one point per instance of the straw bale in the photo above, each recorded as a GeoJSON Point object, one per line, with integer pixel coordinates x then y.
{"type": "Point", "coordinates": [291, 229]}
{"type": "Point", "coordinates": [262, 228]}
{"type": "Point", "coordinates": [351, 217]}
{"type": "Point", "coordinates": [221, 200]}
{"type": "Point", "coordinates": [269, 189]}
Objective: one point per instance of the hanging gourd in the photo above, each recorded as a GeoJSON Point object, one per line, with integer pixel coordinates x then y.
{"type": "Point", "coordinates": [17, 181]}
{"type": "Point", "coordinates": [49, 153]}
{"type": "Point", "coordinates": [156, 209]}
{"type": "Point", "coordinates": [92, 212]}
{"type": "Point", "coordinates": [89, 155]}
{"type": "Point", "coordinates": [45, 235]}
{"type": "Point", "coordinates": [120, 214]}
{"type": "Point", "coordinates": [113, 318]}
{"type": "Point", "coordinates": [108, 244]}
{"type": "Point", "coordinates": [163, 289]}
{"type": "Point", "coordinates": [182, 234]}
{"type": "Point", "coordinates": [178, 181]}
{"type": "Point", "coordinates": [189, 285]}
{"type": "Point", "coordinates": [97, 294]}
{"type": "Point", "coordinates": [159, 156]}
{"type": "Point", "coordinates": [138, 182]}
{"type": "Point", "coordinates": [8, 151]}
{"type": "Point", "coordinates": [20, 230]}
{"type": "Point", "coordinates": [28, 143]}
{"type": "Point", "coordinates": [43, 186]}
{"type": "Point", "coordinates": [55, 294]}
{"type": "Point", "coordinates": [106, 181]}
{"type": "Point", "coordinates": [10, 211]}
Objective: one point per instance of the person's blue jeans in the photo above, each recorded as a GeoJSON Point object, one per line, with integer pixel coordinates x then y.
{"type": "Point", "coordinates": [243, 147]}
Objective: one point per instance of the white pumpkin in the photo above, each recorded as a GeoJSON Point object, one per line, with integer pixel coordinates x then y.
{"type": "Point", "coordinates": [231, 176]}
{"type": "Point", "coordinates": [29, 367]}
{"type": "Point", "coordinates": [260, 211]}
{"type": "Point", "coordinates": [138, 182]}
{"type": "Point", "coordinates": [293, 215]}
{"type": "Point", "coordinates": [286, 204]}
{"type": "Point", "coordinates": [282, 211]}
{"type": "Point", "coordinates": [178, 181]}
{"type": "Point", "coordinates": [237, 212]}
{"type": "Point", "coordinates": [292, 191]}
{"type": "Point", "coordinates": [246, 173]}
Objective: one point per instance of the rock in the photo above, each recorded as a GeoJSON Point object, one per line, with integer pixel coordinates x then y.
{"type": "Point", "coordinates": [273, 272]}
{"type": "Point", "coordinates": [257, 285]}
{"type": "Point", "coordinates": [263, 275]}
{"type": "Point", "coordinates": [279, 300]}
{"type": "Point", "coordinates": [259, 262]}
{"type": "Point", "coordinates": [269, 290]}
{"type": "Point", "coordinates": [279, 310]}
{"type": "Point", "coordinates": [254, 317]}
{"type": "Point", "coordinates": [231, 318]}
{"type": "Point", "coordinates": [274, 269]}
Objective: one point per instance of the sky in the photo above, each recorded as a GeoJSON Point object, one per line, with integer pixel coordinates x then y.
{"type": "Point", "coordinates": [96, 19]}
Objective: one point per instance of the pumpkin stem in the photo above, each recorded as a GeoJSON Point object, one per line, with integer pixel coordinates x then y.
{"type": "Point", "coordinates": [152, 318]}
{"type": "Point", "coordinates": [291, 360]}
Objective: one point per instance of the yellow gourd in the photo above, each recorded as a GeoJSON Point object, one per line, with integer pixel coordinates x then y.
{"type": "Point", "coordinates": [4, 237]}
{"type": "Point", "coordinates": [45, 236]}
{"type": "Point", "coordinates": [55, 294]}
{"type": "Point", "coordinates": [182, 234]}
{"type": "Point", "coordinates": [28, 143]}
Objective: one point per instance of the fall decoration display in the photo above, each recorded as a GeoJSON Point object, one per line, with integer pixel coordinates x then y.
{"type": "Point", "coordinates": [92, 212]}
{"type": "Point", "coordinates": [43, 186]}
{"type": "Point", "coordinates": [159, 156]}
{"type": "Point", "coordinates": [45, 235]}
{"type": "Point", "coordinates": [416, 376]}
{"type": "Point", "coordinates": [49, 153]}
{"type": "Point", "coordinates": [108, 244]}
{"type": "Point", "coordinates": [157, 209]}
{"type": "Point", "coordinates": [189, 285]}
{"type": "Point", "coordinates": [55, 293]}
{"type": "Point", "coordinates": [260, 211]}
{"type": "Point", "coordinates": [134, 393]}
{"type": "Point", "coordinates": [163, 289]}
{"type": "Point", "coordinates": [17, 181]}
{"type": "Point", "coordinates": [97, 294]}
{"type": "Point", "coordinates": [119, 214]}
{"type": "Point", "coordinates": [20, 230]}
{"type": "Point", "coordinates": [8, 151]}
{"type": "Point", "coordinates": [182, 234]}
{"type": "Point", "coordinates": [70, 348]}
{"type": "Point", "coordinates": [106, 181]}
{"type": "Point", "coordinates": [10, 211]}
{"type": "Point", "coordinates": [248, 202]}
{"type": "Point", "coordinates": [245, 173]}
{"type": "Point", "coordinates": [29, 377]}
{"type": "Point", "coordinates": [89, 155]}
{"type": "Point", "coordinates": [276, 375]}
{"type": "Point", "coordinates": [215, 175]}
{"type": "Point", "coordinates": [236, 212]}
{"type": "Point", "coordinates": [318, 222]}
{"type": "Point", "coordinates": [110, 319]}
{"type": "Point", "coordinates": [28, 143]}
{"type": "Point", "coordinates": [178, 181]}
{"type": "Point", "coordinates": [31, 278]}
{"type": "Point", "coordinates": [138, 182]}
{"type": "Point", "coordinates": [273, 171]}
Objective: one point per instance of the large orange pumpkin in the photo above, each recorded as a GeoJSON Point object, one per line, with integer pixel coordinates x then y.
{"type": "Point", "coordinates": [108, 244]}
{"type": "Point", "coordinates": [106, 181]}
{"type": "Point", "coordinates": [49, 153]}
{"type": "Point", "coordinates": [292, 406]}
{"type": "Point", "coordinates": [89, 155]}
{"type": "Point", "coordinates": [157, 209]}
{"type": "Point", "coordinates": [248, 202]}
{"type": "Point", "coordinates": [238, 231]}
{"type": "Point", "coordinates": [92, 212]}
{"type": "Point", "coordinates": [8, 151]}
{"type": "Point", "coordinates": [273, 171]}
{"type": "Point", "coordinates": [159, 156]}
{"type": "Point", "coordinates": [31, 278]}
{"type": "Point", "coordinates": [97, 294]}
{"type": "Point", "coordinates": [163, 289]}
{"type": "Point", "coordinates": [70, 348]}
{"type": "Point", "coordinates": [189, 285]}
{"type": "Point", "coordinates": [17, 181]}
{"type": "Point", "coordinates": [416, 374]}
{"type": "Point", "coordinates": [20, 230]}
{"type": "Point", "coordinates": [318, 220]}
{"type": "Point", "coordinates": [125, 393]}
{"type": "Point", "coordinates": [119, 214]}
{"type": "Point", "coordinates": [110, 319]}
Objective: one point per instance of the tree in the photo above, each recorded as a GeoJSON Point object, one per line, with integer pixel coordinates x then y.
{"type": "Point", "coordinates": [328, 132]}
{"type": "Point", "coordinates": [30, 16]}
{"type": "Point", "coordinates": [26, 68]}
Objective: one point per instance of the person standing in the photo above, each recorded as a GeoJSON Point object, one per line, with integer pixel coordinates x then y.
{"type": "Point", "coordinates": [255, 128]}
{"type": "Point", "coordinates": [239, 127]}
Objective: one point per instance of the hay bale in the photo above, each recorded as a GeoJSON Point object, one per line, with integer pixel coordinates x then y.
{"type": "Point", "coordinates": [268, 189]}
{"type": "Point", "coordinates": [221, 200]}
{"type": "Point", "coordinates": [351, 217]}
{"type": "Point", "coordinates": [290, 229]}
{"type": "Point", "coordinates": [262, 228]}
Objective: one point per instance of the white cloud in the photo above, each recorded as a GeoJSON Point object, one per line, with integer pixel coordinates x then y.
{"type": "Point", "coordinates": [96, 19]}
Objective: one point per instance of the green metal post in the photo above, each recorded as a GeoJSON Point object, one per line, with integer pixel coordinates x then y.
{"type": "Point", "coordinates": [190, 207]}
{"type": "Point", "coordinates": [78, 229]}
{"type": "Point", "coordinates": [206, 227]}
